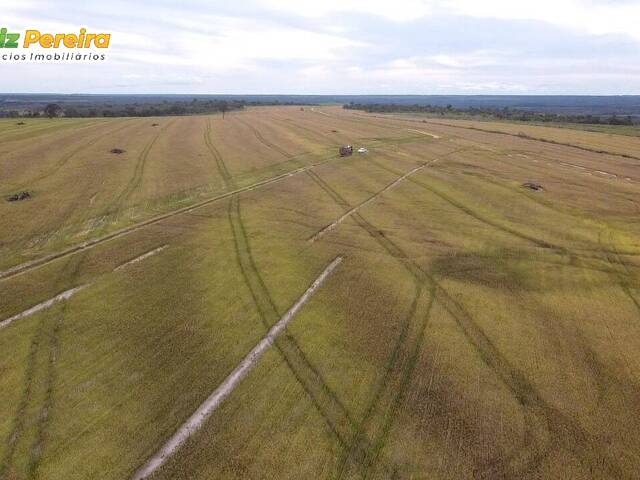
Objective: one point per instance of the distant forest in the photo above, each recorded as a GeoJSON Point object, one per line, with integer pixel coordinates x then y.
{"type": "Point", "coordinates": [135, 109]}
{"type": "Point", "coordinates": [599, 110]}
{"type": "Point", "coordinates": [505, 113]}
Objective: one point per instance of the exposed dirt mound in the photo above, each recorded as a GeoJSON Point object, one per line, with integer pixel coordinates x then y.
{"type": "Point", "coordinates": [117, 151]}
{"type": "Point", "coordinates": [16, 197]}
{"type": "Point", "coordinates": [533, 186]}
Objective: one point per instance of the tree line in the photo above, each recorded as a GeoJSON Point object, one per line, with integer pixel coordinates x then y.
{"type": "Point", "coordinates": [492, 113]}
{"type": "Point", "coordinates": [164, 108]}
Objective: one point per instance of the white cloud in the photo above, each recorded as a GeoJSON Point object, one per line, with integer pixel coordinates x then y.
{"type": "Point", "coordinates": [474, 59]}
{"type": "Point", "coordinates": [241, 44]}
{"type": "Point", "coordinates": [397, 10]}
{"type": "Point", "coordinates": [247, 40]}
{"type": "Point", "coordinates": [341, 46]}
{"type": "Point", "coordinates": [581, 15]}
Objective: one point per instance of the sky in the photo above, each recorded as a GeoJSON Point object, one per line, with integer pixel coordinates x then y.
{"type": "Point", "coordinates": [547, 47]}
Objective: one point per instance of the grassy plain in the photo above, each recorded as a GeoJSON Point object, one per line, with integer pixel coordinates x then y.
{"type": "Point", "coordinates": [630, 130]}
{"type": "Point", "coordinates": [475, 329]}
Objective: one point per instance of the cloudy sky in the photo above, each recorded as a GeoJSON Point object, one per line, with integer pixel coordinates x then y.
{"type": "Point", "coordinates": [338, 46]}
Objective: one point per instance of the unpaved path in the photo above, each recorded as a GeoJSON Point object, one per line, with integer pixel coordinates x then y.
{"type": "Point", "coordinates": [590, 171]}
{"type": "Point", "coordinates": [506, 133]}
{"type": "Point", "coordinates": [141, 257]}
{"type": "Point", "coordinates": [321, 113]}
{"type": "Point", "coordinates": [346, 215]}
{"type": "Point", "coordinates": [606, 173]}
{"type": "Point", "coordinates": [66, 295]}
{"type": "Point", "coordinates": [205, 410]}
{"type": "Point", "coordinates": [38, 262]}
{"type": "Point", "coordinates": [424, 133]}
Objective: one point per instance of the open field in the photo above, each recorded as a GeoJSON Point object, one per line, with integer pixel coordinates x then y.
{"type": "Point", "coordinates": [472, 329]}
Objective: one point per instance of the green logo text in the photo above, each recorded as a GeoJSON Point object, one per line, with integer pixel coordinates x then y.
{"type": "Point", "coordinates": [8, 40]}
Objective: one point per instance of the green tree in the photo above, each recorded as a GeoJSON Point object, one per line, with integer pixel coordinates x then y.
{"type": "Point", "coordinates": [52, 110]}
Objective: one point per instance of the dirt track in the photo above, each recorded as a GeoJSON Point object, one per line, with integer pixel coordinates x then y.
{"type": "Point", "coordinates": [41, 306]}
{"type": "Point", "coordinates": [205, 410]}
{"type": "Point", "coordinates": [141, 257]}
{"type": "Point", "coordinates": [39, 262]}
{"type": "Point", "coordinates": [333, 225]}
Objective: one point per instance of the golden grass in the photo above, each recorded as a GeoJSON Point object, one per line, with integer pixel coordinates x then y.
{"type": "Point", "coordinates": [475, 329]}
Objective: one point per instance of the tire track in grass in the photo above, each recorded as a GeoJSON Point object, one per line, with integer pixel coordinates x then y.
{"type": "Point", "coordinates": [389, 409]}
{"type": "Point", "coordinates": [31, 421]}
{"type": "Point", "coordinates": [566, 211]}
{"type": "Point", "coordinates": [65, 213]}
{"type": "Point", "coordinates": [264, 141]}
{"type": "Point", "coordinates": [539, 139]}
{"type": "Point", "coordinates": [367, 461]}
{"type": "Point", "coordinates": [68, 156]}
{"type": "Point", "coordinates": [522, 136]}
{"type": "Point", "coordinates": [573, 254]}
{"type": "Point", "coordinates": [29, 265]}
{"type": "Point", "coordinates": [564, 429]}
{"type": "Point", "coordinates": [290, 122]}
{"type": "Point", "coordinates": [614, 259]}
{"type": "Point", "coordinates": [40, 438]}
{"type": "Point", "coordinates": [7, 469]}
{"type": "Point", "coordinates": [353, 210]}
{"type": "Point", "coordinates": [200, 416]}
{"type": "Point", "coordinates": [475, 214]}
{"type": "Point", "coordinates": [16, 128]}
{"type": "Point", "coordinates": [363, 450]}
{"type": "Point", "coordinates": [222, 167]}
{"type": "Point", "coordinates": [324, 399]}
{"type": "Point", "coordinates": [395, 251]}
{"type": "Point", "coordinates": [66, 295]}
{"type": "Point", "coordinates": [351, 118]}
{"type": "Point", "coordinates": [44, 260]}
{"type": "Point", "coordinates": [381, 412]}
{"type": "Point", "coordinates": [43, 130]}
{"type": "Point", "coordinates": [110, 208]}
{"type": "Point", "coordinates": [134, 182]}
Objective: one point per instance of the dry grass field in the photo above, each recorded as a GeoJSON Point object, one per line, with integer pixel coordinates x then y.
{"type": "Point", "coordinates": [475, 329]}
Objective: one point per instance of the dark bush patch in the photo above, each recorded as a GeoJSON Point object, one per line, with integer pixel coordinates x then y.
{"type": "Point", "coordinates": [16, 197]}
{"type": "Point", "coordinates": [117, 151]}
{"type": "Point", "coordinates": [533, 186]}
